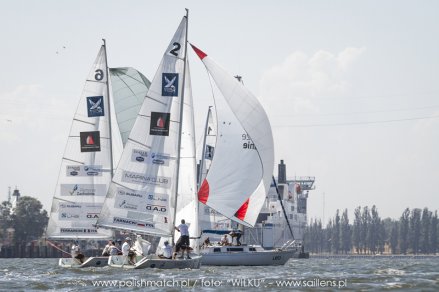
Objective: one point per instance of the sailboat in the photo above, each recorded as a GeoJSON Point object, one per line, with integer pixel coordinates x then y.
{"type": "Point", "coordinates": [93, 147]}
{"type": "Point", "coordinates": [154, 185]}
{"type": "Point", "coordinates": [240, 174]}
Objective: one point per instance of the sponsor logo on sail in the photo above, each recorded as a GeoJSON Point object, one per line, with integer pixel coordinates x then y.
{"type": "Point", "coordinates": [84, 170]}
{"type": "Point", "coordinates": [65, 215]}
{"type": "Point", "coordinates": [82, 190]}
{"type": "Point", "coordinates": [71, 206]}
{"type": "Point", "coordinates": [157, 209]}
{"type": "Point", "coordinates": [124, 204]}
{"type": "Point", "coordinates": [92, 215]}
{"type": "Point", "coordinates": [139, 155]}
{"type": "Point", "coordinates": [73, 170]}
{"type": "Point", "coordinates": [90, 141]}
{"type": "Point", "coordinates": [125, 221]}
{"type": "Point", "coordinates": [95, 106]}
{"type": "Point", "coordinates": [170, 84]}
{"type": "Point", "coordinates": [78, 230]}
{"type": "Point", "coordinates": [158, 197]}
{"type": "Point", "coordinates": [159, 125]}
{"type": "Point", "coordinates": [121, 192]}
{"type": "Point", "coordinates": [139, 178]}
{"type": "Point", "coordinates": [150, 157]}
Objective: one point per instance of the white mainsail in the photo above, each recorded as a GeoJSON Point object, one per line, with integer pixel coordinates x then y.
{"type": "Point", "coordinates": [209, 218]}
{"type": "Point", "coordinates": [237, 184]}
{"type": "Point", "coordinates": [129, 88]}
{"type": "Point", "coordinates": [86, 166]}
{"type": "Point", "coordinates": [142, 195]}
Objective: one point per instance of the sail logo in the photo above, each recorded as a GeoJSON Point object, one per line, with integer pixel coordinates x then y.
{"type": "Point", "coordinates": [150, 157]}
{"type": "Point", "coordinates": [139, 155]}
{"type": "Point", "coordinates": [121, 192]}
{"type": "Point", "coordinates": [95, 106]}
{"type": "Point", "coordinates": [157, 209]}
{"type": "Point", "coordinates": [160, 158]}
{"type": "Point", "coordinates": [78, 230]}
{"type": "Point", "coordinates": [92, 215]}
{"type": "Point", "coordinates": [159, 125]}
{"type": "Point", "coordinates": [169, 84]}
{"type": "Point", "coordinates": [124, 204]}
{"type": "Point", "coordinates": [142, 156]}
{"type": "Point", "coordinates": [124, 221]}
{"type": "Point", "coordinates": [70, 206]}
{"type": "Point", "coordinates": [139, 178]}
{"type": "Point", "coordinates": [74, 190]}
{"type": "Point", "coordinates": [84, 170]}
{"type": "Point", "coordinates": [64, 216]}
{"type": "Point", "coordinates": [90, 141]}
{"type": "Point", "coordinates": [157, 197]}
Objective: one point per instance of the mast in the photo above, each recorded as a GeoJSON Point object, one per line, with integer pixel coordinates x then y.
{"type": "Point", "coordinates": [203, 152]}
{"type": "Point", "coordinates": [282, 205]}
{"type": "Point", "coordinates": [180, 126]}
{"type": "Point", "coordinates": [109, 109]}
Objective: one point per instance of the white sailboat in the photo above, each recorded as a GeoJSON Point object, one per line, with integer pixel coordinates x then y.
{"type": "Point", "coordinates": [240, 173]}
{"type": "Point", "coordinates": [93, 147]}
{"type": "Point", "coordinates": [154, 185]}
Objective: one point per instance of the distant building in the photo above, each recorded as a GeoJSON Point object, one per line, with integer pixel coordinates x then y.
{"type": "Point", "coordinates": [15, 197]}
{"type": "Point", "coordinates": [271, 229]}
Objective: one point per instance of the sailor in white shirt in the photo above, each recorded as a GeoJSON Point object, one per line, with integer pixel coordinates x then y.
{"type": "Point", "coordinates": [183, 241]}
{"type": "Point", "coordinates": [126, 252]}
{"type": "Point", "coordinates": [76, 254]}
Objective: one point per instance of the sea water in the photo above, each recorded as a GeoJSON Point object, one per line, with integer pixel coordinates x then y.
{"type": "Point", "coordinates": [322, 274]}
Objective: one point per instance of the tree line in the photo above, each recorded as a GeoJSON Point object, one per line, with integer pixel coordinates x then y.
{"type": "Point", "coordinates": [415, 232]}
{"type": "Point", "coordinates": [27, 221]}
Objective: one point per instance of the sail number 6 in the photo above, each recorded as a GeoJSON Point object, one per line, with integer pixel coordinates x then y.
{"type": "Point", "coordinates": [99, 75]}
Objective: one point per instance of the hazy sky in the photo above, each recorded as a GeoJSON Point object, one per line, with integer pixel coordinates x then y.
{"type": "Point", "coordinates": [351, 87]}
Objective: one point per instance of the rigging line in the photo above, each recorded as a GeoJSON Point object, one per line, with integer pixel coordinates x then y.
{"type": "Point", "coordinates": [354, 123]}
{"type": "Point", "coordinates": [85, 122]}
{"type": "Point", "coordinates": [118, 74]}
{"type": "Point", "coordinates": [366, 97]}
{"type": "Point", "coordinates": [363, 112]}
{"type": "Point", "coordinates": [140, 143]}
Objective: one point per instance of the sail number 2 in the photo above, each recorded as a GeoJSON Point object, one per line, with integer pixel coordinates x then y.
{"type": "Point", "coordinates": [176, 48]}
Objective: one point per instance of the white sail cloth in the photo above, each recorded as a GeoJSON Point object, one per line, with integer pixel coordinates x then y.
{"type": "Point", "coordinates": [234, 186]}
{"type": "Point", "coordinates": [129, 88]}
{"type": "Point", "coordinates": [85, 172]}
{"type": "Point", "coordinates": [142, 194]}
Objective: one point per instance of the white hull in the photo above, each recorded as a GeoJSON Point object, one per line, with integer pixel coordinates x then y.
{"type": "Point", "coordinates": [89, 262]}
{"type": "Point", "coordinates": [152, 261]}
{"type": "Point", "coordinates": [245, 256]}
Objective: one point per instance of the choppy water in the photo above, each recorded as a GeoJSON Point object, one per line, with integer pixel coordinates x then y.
{"type": "Point", "coordinates": [359, 274]}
